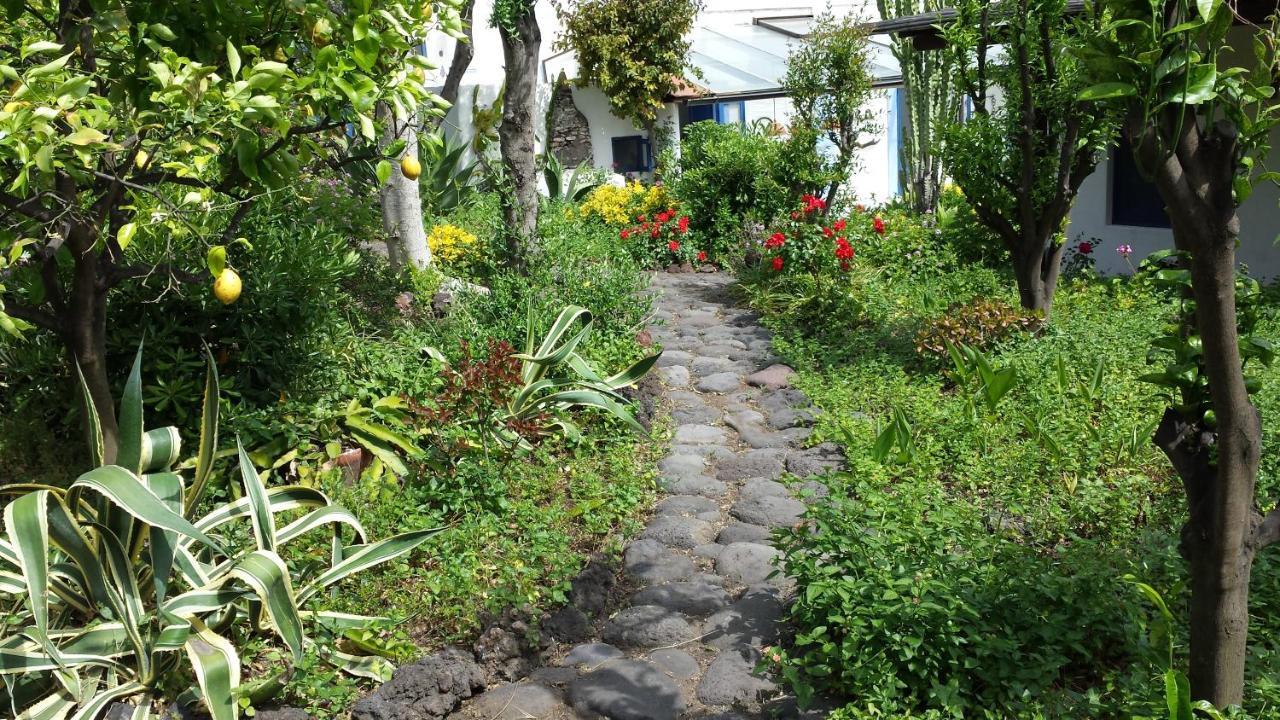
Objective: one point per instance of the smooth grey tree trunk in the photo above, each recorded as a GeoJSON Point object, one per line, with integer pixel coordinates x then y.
{"type": "Point", "coordinates": [401, 203]}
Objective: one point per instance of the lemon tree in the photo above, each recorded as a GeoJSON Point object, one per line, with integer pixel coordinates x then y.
{"type": "Point", "coordinates": [120, 118]}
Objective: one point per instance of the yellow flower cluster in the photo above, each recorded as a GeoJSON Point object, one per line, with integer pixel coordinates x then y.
{"type": "Point", "coordinates": [620, 205]}
{"type": "Point", "coordinates": [449, 243]}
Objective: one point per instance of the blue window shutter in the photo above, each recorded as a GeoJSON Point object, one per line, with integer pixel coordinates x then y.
{"type": "Point", "coordinates": [895, 140]}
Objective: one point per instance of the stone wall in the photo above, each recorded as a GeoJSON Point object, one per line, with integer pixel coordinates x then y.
{"type": "Point", "coordinates": [570, 132]}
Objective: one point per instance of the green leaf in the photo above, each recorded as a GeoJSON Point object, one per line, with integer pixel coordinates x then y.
{"type": "Point", "coordinates": [217, 669]}
{"type": "Point", "coordinates": [233, 59]}
{"type": "Point", "coordinates": [129, 444]}
{"type": "Point", "coordinates": [163, 543]}
{"type": "Point", "coordinates": [216, 260]}
{"type": "Point", "coordinates": [267, 574]}
{"type": "Point", "coordinates": [49, 68]}
{"type": "Point", "coordinates": [28, 526]}
{"type": "Point", "coordinates": [1107, 91]}
{"type": "Point", "coordinates": [264, 524]}
{"type": "Point", "coordinates": [383, 171]}
{"type": "Point", "coordinates": [126, 491]}
{"type": "Point", "coordinates": [365, 557]}
{"type": "Point", "coordinates": [86, 136]}
{"type": "Point", "coordinates": [1194, 89]}
{"type": "Point", "coordinates": [208, 432]}
{"type": "Point", "coordinates": [125, 235]}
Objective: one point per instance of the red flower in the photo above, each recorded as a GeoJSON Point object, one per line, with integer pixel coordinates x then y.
{"type": "Point", "coordinates": [702, 256]}
{"type": "Point", "coordinates": [775, 241]}
{"type": "Point", "coordinates": [641, 218]}
{"type": "Point", "coordinates": [844, 265]}
{"type": "Point", "coordinates": [812, 203]}
{"type": "Point", "coordinates": [673, 246]}
{"type": "Point", "coordinates": [795, 216]}
{"type": "Point", "coordinates": [683, 224]}
{"type": "Point", "coordinates": [777, 264]}
{"type": "Point", "coordinates": [878, 225]}
{"type": "Point", "coordinates": [1085, 247]}
{"type": "Point", "coordinates": [655, 231]}
{"type": "Point", "coordinates": [840, 225]}
{"type": "Point", "coordinates": [626, 234]}
{"type": "Point", "coordinates": [844, 251]}
{"type": "Point", "coordinates": [665, 216]}
{"type": "Point", "coordinates": [826, 232]}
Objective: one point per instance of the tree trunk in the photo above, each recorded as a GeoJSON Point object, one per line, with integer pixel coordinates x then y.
{"type": "Point", "coordinates": [463, 51]}
{"type": "Point", "coordinates": [516, 137]}
{"type": "Point", "coordinates": [401, 203]}
{"type": "Point", "coordinates": [1222, 532]}
{"type": "Point", "coordinates": [1037, 263]}
{"type": "Point", "coordinates": [83, 324]}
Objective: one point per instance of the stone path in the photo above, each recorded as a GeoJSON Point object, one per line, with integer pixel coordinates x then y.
{"type": "Point", "coordinates": [701, 598]}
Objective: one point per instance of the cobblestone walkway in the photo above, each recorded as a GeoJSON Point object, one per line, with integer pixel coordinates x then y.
{"type": "Point", "coordinates": [703, 599]}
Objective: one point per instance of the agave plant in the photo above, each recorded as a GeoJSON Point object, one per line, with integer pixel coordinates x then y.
{"type": "Point", "coordinates": [572, 188]}
{"type": "Point", "coordinates": [448, 178]}
{"type": "Point", "coordinates": [116, 585]}
{"type": "Point", "coordinates": [557, 379]}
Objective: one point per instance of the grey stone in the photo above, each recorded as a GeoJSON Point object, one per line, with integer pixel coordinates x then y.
{"type": "Point", "coordinates": [722, 382]}
{"type": "Point", "coordinates": [736, 532]}
{"type": "Point", "coordinates": [650, 561]}
{"type": "Point", "coordinates": [517, 702]}
{"type": "Point", "coordinates": [680, 464]}
{"type": "Point", "coordinates": [676, 663]}
{"type": "Point", "coordinates": [764, 463]}
{"type": "Point", "coordinates": [817, 460]}
{"type": "Point", "coordinates": [627, 690]}
{"type": "Point", "coordinates": [590, 655]}
{"type": "Point", "coordinates": [429, 688]}
{"type": "Point", "coordinates": [703, 366]}
{"type": "Point", "coordinates": [762, 488]}
{"type": "Point", "coordinates": [589, 591]}
{"type": "Point", "coordinates": [774, 377]}
{"type": "Point", "coordinates": [796, 436]}
{"type": "Point", "coordinates": [710, 551]}
{"type": "Point", "coordinates": [685, 398]}
{"type": "Point", "coordinates": [813, 490]}
{"type": "Point", "coordinates": [746, 562]}
{"type": "Point", "coordinates": [673, 357]}
{"type": "Point", "coordinates": [712, 453]}
{"type": "Point", "coordinates": [700, 435]}
{"type": "Point", "coordinates": [647, 626]}
{"type": "Point", "coordinates": [785, 418]}
{"type": "Point", "coordinates": [282, 713]}
{"type": "Point", "coordinates": [757, 437]}
{"type": "Point", "coordinates": [553, 676]}
{"type": "Point", "coordinates": [776, 400]}
{"type": "Point", "coordinates": [686, 505]}
{"type": "Point", "coordinates": [568, 624]}
{"type": "Point", "coordinates": [699, 415]}
{"type": "Point", "coordinates": [771, 511]}
{"type": "Point", "coordinates": [691, 598]}
{"type": "Point", "coordinates": [744, 417]}
{"type": "Point", "coordinates": [675, 376]}
{"type": "Point", "coordinates": [731, 680]}
{"type": "Point", "coordinates": [699, 485]}
{"type": "Point", "coordinates": [751, 621]}
{"type": "Point", "coordinates": [681, 532]}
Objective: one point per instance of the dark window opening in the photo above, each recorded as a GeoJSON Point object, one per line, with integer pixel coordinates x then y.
{"type": "Point", "coordinates": [1134, 199]}
{"type": "Point", "coordinates": [631, 154]}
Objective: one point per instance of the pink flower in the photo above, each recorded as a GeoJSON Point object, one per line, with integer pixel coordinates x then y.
{"type": "Point", "coordinates": [1125, 250]}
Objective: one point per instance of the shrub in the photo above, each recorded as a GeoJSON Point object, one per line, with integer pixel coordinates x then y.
{"type": "Point", "coordinates": [620, 205]}
{"type": "Point", "coordinates": [657, 241]}
{"type": "Point", "coordinates": [120, 571]}
{"type": "Point", "coordinates": [810, 242]}
{"type": "Point", "coordinates": [979, 324]}
{"type": "Point", "coordinates": [452, 245]}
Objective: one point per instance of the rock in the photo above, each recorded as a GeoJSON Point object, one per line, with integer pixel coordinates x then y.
{"type": "Point", "coordinates": [817, 460]}
{"type": "Point", "coordinates": [703, 366]}
{"type": "Point", "coordinates": [731, 680]}
{"type": "Point", "coordinates": [736, 532]}
{"type": "Point", "coordinates": [627, 690]}
{"type": "Point", "coordinates": [678, 531]}
{"type": "Point", "coordinates": [682, 464]}
{"type": "Point", "coordinates": [504, 652]}
{"type": "Point", "coordinates": [699, 415]}
{"type": "Point", "coordinates": [751, 621]}
{"type": "Point", "coordinates": [676, 663]}
{"type": "Point", "coordinates": [283, 713]}
{"type": "Point", "coordinates": [710, 551]}
{"type": "Point", "coordinates": [686, 505]}
{"type": "Point", "coordinates": [746, 563]}
{"type": "Point", "coordinates": [673, 357]}
{"type": "Point", "coordinates": [590, 655]}
{"type": "Point", "coordinates": [783, 399]}
{"type": "Point", "coordinates": [712, 453]}
{"type": "Point", "coordinates": [553, 676]}
{"type": "Point", "coordinates": [589, 591]}
{"type": "Point", "coordinates": [744, 417]}
{"type": "Point", "coordinates": [700, 485]}
{"type": "Point", "coordinates": [770, 511]}
{"type": "Point", "coordinates": [647, 626]}
{"type": "Point", "coordinates": [427, 689]}
{"type": "Point", "coordinates": [790, 418]}
{"type": "Point", "coordinates": [774, 377]}
{"type": "Point", "coordinates": [568, 624]}
{"type": "Point", "coordinates": [762, 488]}
{"type": "Point", "coordinates": [722, 382]}
{"type": "Point", "coordinates": [700, 435]}
{"type": "Point", "coordinates": [517, 702]}
{"type": "Point", "coordinates": [690, 598]}
{"type": "Point", "coordinates": [675, 376]}
{"type": "Point", "coordinates": [650, 561]}
{"type": "Point", "coordinates": [767, 464]}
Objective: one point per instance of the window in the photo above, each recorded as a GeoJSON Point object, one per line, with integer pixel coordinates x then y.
{"type": "Point", "coordinates": [731, 113]}
{"type": "Point", "coordinates": [631, 154]}
{"type": "Point", "coordinates": [699, 113]}
{"type": "Point", "coordinates": [1134, 200]}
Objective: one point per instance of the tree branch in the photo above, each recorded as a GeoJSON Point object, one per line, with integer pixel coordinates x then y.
{"type": "Point", "coordinates": [1268, 531]}
{"type": "Point", "coordinates": [30, 207]}
{"type": "Point", "coordinates": [35, 316]}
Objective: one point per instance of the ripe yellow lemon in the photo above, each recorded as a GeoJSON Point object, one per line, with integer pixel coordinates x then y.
{"type": "Point", "coordinates": [227, 287]}
{"type": "Point", "coordinates": [410, 166]}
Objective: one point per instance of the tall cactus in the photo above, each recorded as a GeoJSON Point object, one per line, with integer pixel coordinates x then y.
{"type": "Point", "coordinates": [932, 97]}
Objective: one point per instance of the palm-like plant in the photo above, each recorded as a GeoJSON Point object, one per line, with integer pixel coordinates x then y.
{"type": "Point", "coordinates": [448, 178]}
{"type": "Point", "coordinates": [573, 187]}
{"type": "Point", "coordinates": [116, 583]}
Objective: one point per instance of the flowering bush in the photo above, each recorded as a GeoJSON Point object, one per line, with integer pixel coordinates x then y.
{"type": "Point", "coordinates": [451, 244]}
{"type": "Point", "coordinates": [618, 205]}
{"type": "Point", "coordinates": [810, 242]}
{"type": "Point", "coordinates": [661, 239]}
{"type": "Point", "coordinates": [978, 323]}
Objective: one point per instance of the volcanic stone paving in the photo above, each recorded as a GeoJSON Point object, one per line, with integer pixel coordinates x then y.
{"type": "Point", "coordinates": [704, 594]}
